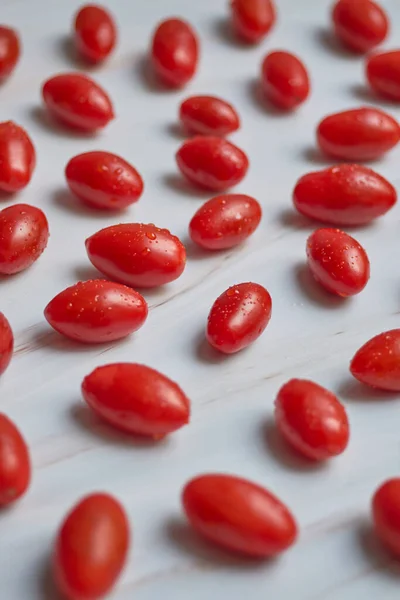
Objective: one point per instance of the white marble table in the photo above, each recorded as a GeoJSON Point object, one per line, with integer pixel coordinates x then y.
{"type": "Point", "coordinates": [310, 335]}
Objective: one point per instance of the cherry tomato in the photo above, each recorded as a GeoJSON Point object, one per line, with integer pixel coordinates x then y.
{"type": "Point", "coordinates": [95, 33]}
{"type": "Point", "coordinates": [96, 311]}
{"type": "Point", "coordinates": [239, 515]}
{"type": "Point", "coordinates": [238, 317]}
{"type": "Point", "coordinates": [358, 134]}
{"type": "Point", "coordinates": [284, 80]}
{"type": "Point", "coordinates": [78, 101]}
{"type": "Point", "coordinates": [225, 221]}
{"type": "Point", "coordinates": [136, 399]}
{"type": "Point", "coordinates": [208, 115]}
{"type": "Point", "coordinates": [136, 254]}
{"type": "Point", "coordinates": [360, 24]}
{"type": "Point", "coordinates": [24, 233]}
{"type": "Point", "coordinates": [9, 51]}
{"type": "Point", "coordinates": [344, 195]}
{"type": "Point", "coordinates": [338, 262]}
{"type": "Point", "coordinates": [15, 464]}
{"type": "Point", "coordinates": [6, 343]}
{"type": "Point", "coordinates": [91, 548]}
{"type": "Point", "coordinates": [103, 180]}
{"type": "Point", "coordinates": [311, 419]}
{"type": "Point", "coordinates": [17, 157]}
{"type": "Point", "coordinates": [386, 514]}
{"type": "Point", "coordinates": [383, 74]}
{"type": "Point", "coordinates": [212, 163]}
{"type": "Point", "coordinates": [253, 19]}
{"type": "Point", "coordinates": [377, 363]}
{"type": "Point", "coordinates": [175, 52]}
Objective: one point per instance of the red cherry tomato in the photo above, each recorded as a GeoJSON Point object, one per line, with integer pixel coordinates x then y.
{"type": "Point", "coordinates": [338, 262]}
{"type": "Point", "coordinates": [238, 317]}
{"type": "Point", "coordinates": [359, 134]}
{"type": "Point", "coordinates": [377, 363]}
{"type": "Point", "coordinates": [78, 101]}
{"type": "Point", "coordinates": [136, 254]}
{"type": "Point", "coordinates": [95, 33]}
{"type": "Point", "coordinates": [253, 19]}
{"type": "Point", "coordinates": [136, 399]}
{"type": "Point", "coordinates": [225, 221]}
{"type": "Point", "coordinates": [360, 24]}
{"type": "Point", "coordinates": [208, 115]}
{"type": "Point", "coordinates": [386, 514]}
{"type": "Point", "coordinates": [175, 52]}
{"type": "Point", "coordinates": [6, 343]}
{"type": "Point", "coordinates": [212, 163]}
{"type": "Point", "coordinates": [103, 180]}
{"type": "Point", "coordinates": [239, 515]}
{"type": "Point", "coordinates": [311, 419]}
{"type": "Point", "coordinates": [17, 157]}
{"type": "Point", "coordinates": [383, 74]}
{"type": "Point", "coordinates": [91, 548]}
{"type": "Point", "coordinates": [96, 311]}
{"type": "Point", "coordinates": [284, 80]}
{"type": "Point", "coordinates": [24, 233]}
{"type": "Point", "coordinates": [344, 195]}
{"type": "Point", "coordinates": [9, 51]}
{"type": "Point", "coordinates": [15, 465]}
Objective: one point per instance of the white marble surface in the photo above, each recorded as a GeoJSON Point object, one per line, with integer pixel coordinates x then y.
{"type": "Point", "coordinates": [310, 335]}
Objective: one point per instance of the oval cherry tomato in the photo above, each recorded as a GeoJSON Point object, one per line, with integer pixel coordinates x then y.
{"type": "Point", "coordinates": [225, 221]}
{"type": "Point", "coordinates": [136, 399]}
{"type": "Point", "coordinates": [386, 514]}
{"type": "Point", "coordinates": [136, 254]}
{"type": "Point", "coordinates": [24, 233]}
{"type": "Point", "coordinates": [208, 115]}
{"type": "Point", "coordinates": [95, 33]}
{"type": "Point", "coordinates": [284, 80]}
{"type": "Point", "coordinates": [311, 419]}
{"type": "Point", "coordinates": [359, 134]}
{"type": "Point", "coordinates": [175, 52]}
{"type": "Point", "coordinates": [9, 51]}
{"type": "Point", "coordinates": [6, 343]}
{"type": "Point", "coordinates": [344, 195]}
{"type": "Point", "coordinates": [17, 157]}
{"type": "Point", "coordinates": [78, 101]}
{"type": "Point", "coordinates": [212, 163]}
{"type": "Point", "coordinates": [338, 262]}
{"type": "Point", "coordinates": [239, 515]}
{"type": "Point", "coordinates": [377, 363]}
{"type": "Point", "coordinates": [238, 317]}
{"type": "Point", "coordinates": [15, 464]}
{"type": "Point", "coordinates": [91, 548]}
{"type": "Point", "coordinates": [96, 311]}
{"type": "Point", "coordinates": [103, 180]}
{"type": "Point", "coordinates": [383, 74]}
{"type": "Point", "coordinates": [360, 24]}
{"type": "Point", "coordinates": [253, 19]}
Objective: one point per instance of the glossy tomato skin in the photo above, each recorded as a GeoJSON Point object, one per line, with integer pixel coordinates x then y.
{"type": "Point", "coordinates": [91, 548]}
{"type": "Point", "coordinates": [386, 514]}
{"type": "Point", "coordinates": [225, 221]}
{"type": "Point", "coordinates": [17, 157]}
{"type": "Point", "coordinates": [212, 163]}
{"type": "Point", "coordinates": [360, 24]}
{"type": "Point", "coordinates": [136, 399]}
{"type": "Point", "coordinates": [24, 233]}
{"type": "Point", "coordinates": [95, 33]}
{"type": "Point", "coordinates": [239, 515]}
{"type": "Point", "coordinates": [311, 419]}
{"type": "Point", "coordinates": [252, 20]}
{"type": "Point", "coordinates": [6, 343]}
{"type": "Point", "coordinates": [285, 80]}
{"type": "Point", "coordinates": [208, 115]}
{"type": "Point", "coordinates": [9, 51]}
{"type": "Point", "coordinates": [103, 180]}
{"type": "Point", "coordinates": [78, 101]}
{"type": "Point", "coordinates": [358, 134]}
{"type": "Point", "coordinates": [383, 74]}
{"type": "Point", "coordinates": [238, 317]}
{"type": "Point", "coordinates": [96, 311]}
{"type": "Point", "coordinates": [15, 464]}
{"type": "Point", "coordinates": [377, 362]}
{"type": "Point", "coordinates": [346, 194]}
{"type": "Point", "coordinates": [137, 254]}
{"type": "Point", "coordinates": [175, 52]}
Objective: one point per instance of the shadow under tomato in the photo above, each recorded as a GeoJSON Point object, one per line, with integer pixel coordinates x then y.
{"type": "Point", "coordinates": [47, 586]}
{"type": "Point", "coordinates": [45, 337]}
{"type": "Point", "coordinates": [375, 552]}
{"type": "Point", "coordinates": [65, 48]}
{"type": "Point", "coordinates": [42, 118]}
{"type": "Point", "coordinates": [314, 292]}
{"type": "Point", "coordinates": [177, 183]}
{"type": "Point", "coordinates": [64, 199]}
{"type": "Point", "coordinates": [327, 39]}
{"type": "Point", "coordinates": [355, 391]}
{"type": "Point", "coordinates": [292, 218]}
{"type": "Point", "coordinates": [366, 94]}
{"type": "Point", "coordinates": [260, 102]}
{"type": "Point", "coordinates": [223, 31]}
{"type": "Point", "coordinates": [149, 79]}
{"type": "Point", "coordinates": [314, 156]}
{"type": "Point", "coordinates": [205, 353]}
{"type": "Point", "coordinates": [176, 131]}
{"type": "Point", "coordinates": [87, 273]}
{"type": "Point", "coordinates": [196, 252]}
